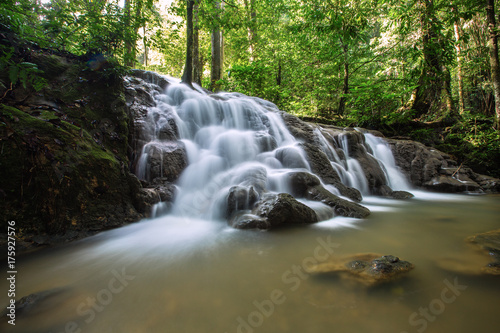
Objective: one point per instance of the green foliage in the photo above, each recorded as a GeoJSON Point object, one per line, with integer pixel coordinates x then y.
{"type": "Point", "coordinates": [255, 79]}
{"type": "Point", "coordinates": [354, 63]}
{"type": "Point", "coordinates": [25, 73]}
{"type": "Point", "coordinates": [475, 142]}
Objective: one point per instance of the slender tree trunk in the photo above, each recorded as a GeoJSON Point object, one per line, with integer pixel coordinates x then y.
{"type": "Point", "coordinates": [128, 56]}
{"type": "Point", "coordinates": [461, 102]}
{"type": "Point", "coordinates": [144, 40]}
{"type": "Point", "coordinates": [494, 64]}
{"type": "Point", "coordinates": [446, 93]}
{"type": "Point", "coordinates": [216, 65]}
{"type": "Point", "coordinates": [345, 88]}
{"type": "Point", "coordinates": [197, 68]}
{"type": "Point", "coordinates": [278, 75]}
{"type": "Point", "coordinates": [187, 77]}
{"type": "Point", "coordinates": [252, 26]}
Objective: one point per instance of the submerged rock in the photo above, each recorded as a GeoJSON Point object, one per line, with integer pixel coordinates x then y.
{"type": "Point", "coordinates": [489, 243]}
{"type": "Point", "coordinates": [484, 259]}
{"type": "Point", "coordinates": [275, 210]}
{"type": "Point", "coordinates": [367, 268]}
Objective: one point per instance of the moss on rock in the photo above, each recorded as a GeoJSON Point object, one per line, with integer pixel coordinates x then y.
{"type": "Point", "coordinates": [63, 150]}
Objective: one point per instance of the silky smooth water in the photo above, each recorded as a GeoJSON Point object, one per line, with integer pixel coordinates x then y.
{"type": "Point", "coordinates": [174, 274]}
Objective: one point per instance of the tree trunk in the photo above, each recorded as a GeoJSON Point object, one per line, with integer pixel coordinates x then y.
{"type": "Point", "coordinates": [216, 65]}
{"type": "Point", "coordinates": [461, 102]}
{"type": "Point", "coordinates": [197, 66]}
{"type": "Point", "coordinates": [129, 47]}
{"type": "Point", "coordinates": [495, 68]}
{"type": "Point", "coordinates": [187, 77]}
{"type": "Point", "coordinates": [145, 45]}
{"type": "Point", "coordinates": [345, 88]}
{"type": "Point", "coordinates": [252, 26]}
{"type": "Point", "coordinates": [428, 92]}
{"type": "Point", "coordinates": [432, 97]}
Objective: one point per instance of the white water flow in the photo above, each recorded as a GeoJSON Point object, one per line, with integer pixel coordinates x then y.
{"type": "Point", "coordinates": [381, 151]}
{"type": "Point", "coordinates": [232, 140]}
{"type": "Point", "coordinates": [348, 168]}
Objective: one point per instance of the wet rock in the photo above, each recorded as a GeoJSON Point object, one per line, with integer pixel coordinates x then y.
{"type": "Point", "coordinates": [299, 129]}
{"type": "Point", "coordinates": [434, 170]}
{"type": "Point", "coordinates": [340, 206]}
{"type": "Point", "coordinates": [148, 197]}
{"type": "Point", "coordinates": [401, 195]}
{"type": "Point", "coordinates": [150, 77]}
{"type": "Point", "coordinates": [169, 131]}
{"type": "Point", "coordinates": [34, 303]}
{"type": "Point", "coordinates": [255, 177]}
{"type": "Point", "coordinates": [265, 141]}
{"type": "Point", "coordinates": [488, 243]}
{"type": "Point", "coordinates": [291, 157]}
{"type": "Point", "coordinates": [282, 210]}
{"type": "Point", "coordinates": [386, 191]}
{"type": "Point", "coordinates": [300, 182]}
{"type": "Point", "coordinates": [448, 184]}
{"type": "Point", "coordinates": [249, 221]}
{"type": "Point", "coordinates": [241, 198]}
{"type": "Point", "coordinates": [321, 166]}
{"type": "Point", "coordinates": [354, 143]}
{"type": "Point", "coordinates": [166, 160]}
{"type": "Point", "coordinates": [367, 268]}
{"type": "Point", "coordinates": [488, 184]}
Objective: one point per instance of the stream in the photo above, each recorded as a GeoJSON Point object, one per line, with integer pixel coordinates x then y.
{"type": "Point", "coordinates": [173, 274]}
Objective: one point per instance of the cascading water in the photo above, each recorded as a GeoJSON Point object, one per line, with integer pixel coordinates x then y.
{"type": "Point", "coordinates": [230, 140]}
{"type": "Point", "coordinates": [384, 156]}
{"type": "Point", "coordinates": [236, 144]}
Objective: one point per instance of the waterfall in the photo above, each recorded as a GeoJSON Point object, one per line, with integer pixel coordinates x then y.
{"type": "Point", "coordinates": [240, 146]}
{"type": "Point", "coordinates": [383, 154]}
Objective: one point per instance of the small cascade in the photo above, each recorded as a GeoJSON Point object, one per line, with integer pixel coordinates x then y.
{"type": "Point", "coordinates": [228, 153]}
{"type": "Point", "coordinates": [381, 151]}
{"type": "Point", "coordinates": [348, 168]}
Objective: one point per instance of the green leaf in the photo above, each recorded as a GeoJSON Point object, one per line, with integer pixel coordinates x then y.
{"type": "Point", "coordinates": [13, 74]}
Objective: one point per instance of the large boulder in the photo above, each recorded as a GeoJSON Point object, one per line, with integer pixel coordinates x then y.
{"type": "Point", "coordinates": [65, 159]}
{"type": "Point", "coordinates": [434, 170]}
{"type": "Point", "coordinates": [165, 159]}
{"type": "Point", "coordinates": [276, 210]}
{"type": "Point", "coordinates": [306, 185]}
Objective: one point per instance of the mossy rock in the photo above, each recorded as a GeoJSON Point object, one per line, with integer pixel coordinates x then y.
{"type": "Point", "coordinates": [63, 151]}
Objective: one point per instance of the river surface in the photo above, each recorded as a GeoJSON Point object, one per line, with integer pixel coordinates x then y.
{"type": "Point", "coordinates": [184, 275]}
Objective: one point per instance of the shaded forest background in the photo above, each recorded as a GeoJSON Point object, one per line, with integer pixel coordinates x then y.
{"type": "Point", "coordinates": [422, 69]}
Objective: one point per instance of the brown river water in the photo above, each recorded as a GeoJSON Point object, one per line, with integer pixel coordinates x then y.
{"type": "Point", "coordinates": [178, 275]}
